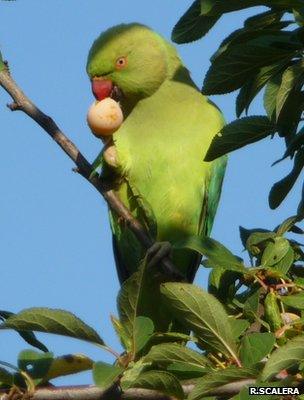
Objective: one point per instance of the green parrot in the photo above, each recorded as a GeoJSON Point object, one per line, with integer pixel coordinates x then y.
{"type": "Point", "coordinates": [155, 159]}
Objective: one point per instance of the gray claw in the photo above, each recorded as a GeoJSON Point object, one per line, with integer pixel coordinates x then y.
{"type": "Point", "coordinates": [157, 252]}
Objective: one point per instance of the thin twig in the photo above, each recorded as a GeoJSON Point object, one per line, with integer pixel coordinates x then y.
{"type": "Point", "coordinates": [23, 103]}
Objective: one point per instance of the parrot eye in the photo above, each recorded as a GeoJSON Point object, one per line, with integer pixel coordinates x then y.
{"type": "Point", "coordinates": [121, 62]}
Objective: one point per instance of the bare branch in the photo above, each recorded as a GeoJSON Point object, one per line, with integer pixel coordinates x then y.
{"type": "Point", "coordinates": [23, 103]}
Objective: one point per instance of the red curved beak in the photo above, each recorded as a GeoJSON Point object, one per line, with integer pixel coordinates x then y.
{"type": "Point", "coordinates": [101, 88]}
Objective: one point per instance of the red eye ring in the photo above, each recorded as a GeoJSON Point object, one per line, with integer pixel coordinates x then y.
{"type": "Point", "coordinates": [121, 62]}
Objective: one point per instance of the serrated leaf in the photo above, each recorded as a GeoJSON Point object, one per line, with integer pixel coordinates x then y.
{"type": "Point", "coordinates": [174, 337]}
{"type": "Point", "coordinates": [121, 333]}
{"type": "Point", "coordinates": [254, 235]}
{"type": "Point", "coordinates": [29, 336]}
{"type": "Point", "coordinates": [249, 91]}
{"type": "Point", "coordinates": [286, 262]}
{"type": "Point", "coordinates": [263, 19]}
{"type": "Point", "coordinates": [192, 25]}
{"type": "Point", "coordinates": [218, 255]}
{"type": "Point", "coordinates": [36, 364]}
{"type": "Point", "coordinates": [255, 346]}
{"type": "Point", "coordinates": [284, 357]}
{"type": "Point", "coordinates": [294, 300]}
{"type": "Point", "coordinates": [214, 7]}
{"type": "Point", "coordinates": [281, 189]}
{"type": "Point", "coordinates": [105, 375]}
{"type": "Point", "coordinates": [270, 94]}
{"type": "Point", "coordinates": [275, 250]}
{"type": "Point", "coordinates": [143, 331]}
{"type": "Point", "coordinates": [238, 134]}
{"type": "Point", "coordinates": [140, 296]}
{"type": "Point", "coordinates": [238, 327]}
{"type": "Point", "coordinates": [232, 68]}
{"type": "Point", "coordinates": [55, 321]}
{"type": "Point", "coordinates": [202, 313]}
{"type": "Point", "coordinates": [161, 381]}
{"type": "Point", "coordinates": [292, 77]}
{"type": "Point", "coordinates": [183, 370]}
{"type": "Point", "coordinates": [258, 237]}
{"type": "Point", "coordinates": [168, 353]}
{"type": "Point", "coordinates": [251, 305]}
{"type": "Point", "coordinates": [213, 380]}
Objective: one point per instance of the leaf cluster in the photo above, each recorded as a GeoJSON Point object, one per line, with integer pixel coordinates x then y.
{"type": "Point", "coordinates": [265, 54]}
{"type": "Point", "coordinates": [242, 329]}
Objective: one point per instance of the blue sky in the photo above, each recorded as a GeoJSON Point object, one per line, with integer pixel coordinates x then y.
{"type": "Point", "coordinates": [55, 247]}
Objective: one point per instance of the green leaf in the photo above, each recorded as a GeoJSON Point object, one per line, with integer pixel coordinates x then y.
{"type": "Point", "coordinates": [275, 250]}
{"type": "Point", "coordinates": [105, 375]}
{"type": "Point", "coordinates": [287, 224]}
{"type": "Point", "coordinates": [161, 381]}
{"type": "Point", "coordinates": [218, 255]}
{"type": "Point", "coordinates": [294, 300]}
{"type": "Point", "coordinates": [6, 378]}
{"type": "Point", "coordinates": [257, 238]}
{"type": "Point", "coordinates": [50, 320]}
{"type": "Point", "coordinates": [36, 364]}
{"type": "Point", "coordinates": [132, 373]}
{"type": "Point", "coordinates": [213, 380]}
{"type": "Point", "coordinates": [255, 346]}
{"type": "Point", "coordinates": [253, 234]}
{"type": "Point", "coordinates": [232, 68]}
{"type": "Point", "coordinates": [143, 331]}
{"type": "Point", "coordinates": [203, 314]}
{"type": "Point", "coordinates": [192, 25]}
{"type": "Point", "coordinates": [251, 304]}
{"type": "Point", "coordinates": [128, 301]}
{"type": "Point", "coordinates": [252, 88]}
{"type": "Point", "coordinates": [214, 7]}
{"type": "Point", "coordinates": [238, 134]}
{"type": "Point", "coordinates": [67, 365]}
{"type": "Point", "coordinates": [238, 327]}
{"type": "Point", "coordinates": [295, 144]}
{"type": "Point", "coordinates": [286, 262]}
{"type": "Point", "coordinates": [121, 333]}
{"type": "Point", "coordinates": [280, 189]}
{"type": "Point", "coordinates": [270, 94]}
{"type": "Point", "coordinates": [299, 16]}
{"type": "Point", "coordinates": [291, 78]}
{"type": "Point", "coordinates": [263, 19]}
{"type": "Point", "coordinates": [140, 296]}
{"type": "Point", "coordinates": [183, 370]}
{"type": "Point", "coordinates": [168, 353]}
{"type": "Point", "coordinates": [29, 336]}
{"type": "Point", "coordinates": [284, 357]}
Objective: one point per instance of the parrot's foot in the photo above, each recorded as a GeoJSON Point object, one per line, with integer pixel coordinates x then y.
{"type": "Point", "coordinates": [110, 154]}
{"type": "Point", "coordinates": [157, 252]}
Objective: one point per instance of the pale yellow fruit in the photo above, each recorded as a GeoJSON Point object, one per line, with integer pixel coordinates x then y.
{"type": "Point", "coordinates": [104, 117]}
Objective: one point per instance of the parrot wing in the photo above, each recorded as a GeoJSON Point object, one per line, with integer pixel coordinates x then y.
{"type": "Point", "coordinates": [209, 207]}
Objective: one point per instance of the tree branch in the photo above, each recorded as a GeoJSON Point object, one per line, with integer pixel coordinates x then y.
{"type": "Point", "coordinates": [23, 103]}
{"type": "Point", "coordinates": [114, 393]}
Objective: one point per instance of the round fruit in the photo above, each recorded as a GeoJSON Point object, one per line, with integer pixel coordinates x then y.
{"type": "Point", "coordinates": [104, 117]}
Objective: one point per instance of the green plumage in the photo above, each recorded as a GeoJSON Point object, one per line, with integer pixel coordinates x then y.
{"type": "Point", "coordinates": [160, 146]}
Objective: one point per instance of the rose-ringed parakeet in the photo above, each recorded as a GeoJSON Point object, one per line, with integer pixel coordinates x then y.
{"type": "Point", "coordinates": [157, 167]}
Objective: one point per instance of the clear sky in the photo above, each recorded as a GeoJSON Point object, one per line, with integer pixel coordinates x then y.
{"type": "Point", "coordinates": [55, 242]}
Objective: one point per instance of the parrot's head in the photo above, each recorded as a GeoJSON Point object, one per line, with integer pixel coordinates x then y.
{"type": "Point", "coordinates": [129, 60]}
